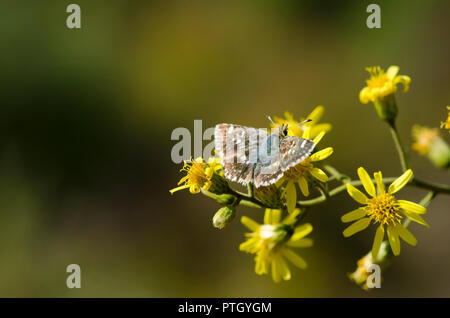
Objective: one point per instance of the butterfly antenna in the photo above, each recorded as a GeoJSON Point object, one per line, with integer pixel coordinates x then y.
{"type": "Point", "coordinates": [304, 122]}
{"type": "Point", "coordinates": [272, 121]}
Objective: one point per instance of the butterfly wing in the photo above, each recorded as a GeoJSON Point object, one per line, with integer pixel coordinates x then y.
{"type": "Point", "coordinates": [294, 150]}
{"type": "Point", "coordinates": [244, 160]}
{"type": "Point", "coordinates": [238, 147]}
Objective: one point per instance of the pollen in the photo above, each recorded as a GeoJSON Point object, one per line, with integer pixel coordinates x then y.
{"type": "Point", "coordinates": [378, 78]}
{"type": "Point", "coordinates": [384, 209]}
{"type": "Point", "coordinates": [197, 173]}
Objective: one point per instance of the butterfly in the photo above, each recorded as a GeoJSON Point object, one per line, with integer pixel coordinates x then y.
{"type": "Point", "coordinates": [251, 155]}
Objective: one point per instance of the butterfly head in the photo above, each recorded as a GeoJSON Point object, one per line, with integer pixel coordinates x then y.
{"type": "Point", "coordinates": [283, 130]}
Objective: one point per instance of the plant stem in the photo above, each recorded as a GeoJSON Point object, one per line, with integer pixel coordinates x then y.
{"type": "Point", "coordinates": [336, 191]}
{"type": "Point", "coordinates": [399, 147]}
{"type": "Point", "coordinates": [436, 187]}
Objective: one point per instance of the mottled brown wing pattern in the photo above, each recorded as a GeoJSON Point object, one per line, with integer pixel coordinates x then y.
{"type": "Point", "coordinates": [236, 164]}
{"type": "Point", "coordinates": [294, 150]}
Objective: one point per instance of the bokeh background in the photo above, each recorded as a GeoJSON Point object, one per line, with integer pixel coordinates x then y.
{"type": "Point", "coordinates": [86, 118]}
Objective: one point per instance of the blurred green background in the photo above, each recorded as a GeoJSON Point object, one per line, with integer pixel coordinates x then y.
{"type": "Point", "coordinates": [86, 118]}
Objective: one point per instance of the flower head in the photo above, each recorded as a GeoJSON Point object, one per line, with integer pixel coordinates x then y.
{"type": "Point", "coordinates": [382, 84]}
{"type": "Point", "coordinates": [429, 142]}
{"type": "Point", "coordinates": [199, 174]}
{"type": "Point", "coordinates": [384, 209]}
{"type": "Point", "coordinates": [446, 124]}
{"type": "Point", "coordinates": [381, 88]}
{"type": "Point", "coordinates": [304, 173]}
{"type": "Point", "coordinates": [272, 241]}
{"type": "Point", "coordinates": [362, 275]}
{"type": "Point", "coordinates": [423, 138]}
{"type": "Point", "coordinates": [298, 130]}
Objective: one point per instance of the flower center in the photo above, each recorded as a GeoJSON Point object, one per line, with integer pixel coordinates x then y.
{"type": "Point", "coordinates": [271, 235]}
{"type": "Point", "coordinates": [196, 173]}
{"type": "Point", "coordinates": [384, 209]}
{"type": "Point", "coordinates": [299, 170]}
{"type": "Point", "coordinates": [378, 77]}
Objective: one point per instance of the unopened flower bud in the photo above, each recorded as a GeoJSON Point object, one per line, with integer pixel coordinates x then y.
{"type": "Point", "coordinates": [429, 142]}
{"type": "Point", "coordinates": [223, 217]}
{"type": "Point", "coordinates": [269, 196]}
{"type": "Point", "coordinates": [365, 272]}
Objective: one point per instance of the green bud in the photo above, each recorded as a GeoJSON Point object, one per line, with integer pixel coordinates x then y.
{"type": "Point", "coordinates": [439, 153]}
{"type": "Point", "coordinates": [387, 108]}
{"type": "Point", "coordinates": [219, 184]}
{"type": "Point", "coordinates": [269, 196]}
{"type": "Point", "coordinates": [223, 217]}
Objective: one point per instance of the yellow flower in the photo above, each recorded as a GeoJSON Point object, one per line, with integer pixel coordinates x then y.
{"type": "Point", "coordinates": [423, 138]}
{"type": "Point", "coordinates": [429, 142]}
{"type": "Point", "coordinates": [364, 268]}
{"type": "Point", "coordinates": [296, 130]}
{"type": "Point", "coordinates": [272, 241]}
{"type": "Point", "coordinates": [383, 208]}
{"type": "Point", "coordinates": [381, 84]}
{"type": "Point", "coordinates": [199, 174]}
{"type": "Point", "coordinates": [446, 124]}
{"type": "Point", "coordinates": [304, 172]}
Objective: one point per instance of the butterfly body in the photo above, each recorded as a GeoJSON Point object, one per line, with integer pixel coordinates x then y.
{"type": "Point", "coordinates": [252, 155]}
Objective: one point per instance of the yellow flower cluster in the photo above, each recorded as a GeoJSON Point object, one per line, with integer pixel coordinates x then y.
{"type": "Point", "coordinates": [272, 243]}
{"type": "Point", "coordinates": [384, 209]}
{"type": "Point", "coordinates": [198, 174]}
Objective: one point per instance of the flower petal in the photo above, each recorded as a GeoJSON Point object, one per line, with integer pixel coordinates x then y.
{"type": "Point", "coordinates": [261, 265]}
{"type": "Point", "coordinates": [394, 241]}
{"type": "Point", "coordinates": [379, 180]}
{"type": "Point", "coordinates": [285, 273]}
{"type": "Point", "coordinates": [364, 95]}
{"type": "Point", "coordinates": [291, 196]}
{"type": "Point", "coordinates": [301, 231]}
{"type": "Point", "coordinates": [276, 270]}
{"type": "Point", "coordinates": [306, 131]}
{"type": "Point", "coordinates": [317, 113]}
{"type": "Point", "coordinates": [317, 129]}
{"type": "Point", "coordinates": [356, 227]}
{"type": "Point", "coordinates": [322, 154]}
{"type": "Point", "coordinates": [319, 174]}
{"type": "Point", "coordinates": [404, 80]}
{"type": "Point", "coordinates": [415, 217]}
{"type": "Point", "coordinates": [304, 242]}
{"type": "Point", "coordinates": [303, 184]}
{"type": "Point", "coordinates": [411, 207]}
{"type": "Point", "coordinates": [294, 258]}
{"type": "Point", "coordinates": [366, 181]}
{"type": "Point", "coordinates": [319, 137]}
{"type": "Point", "coordinates": [357, 195]}
{"type": "Point", "coordinates": [250, 224]}
{"type": "Point", "coordinates": [379, 236]}
{"type": "Point", "coordinates": [272, 216]}
{"type": "Point", "coordinates": [354, 215]}
{"type": "Point", "coordinates": [406, 235]}
{"type": "Point", "coordinates": [392, 72]}
{"type": "Point", "coordinates": [400, 182]}
{"type": "Point", "coordinates": [179, 188]}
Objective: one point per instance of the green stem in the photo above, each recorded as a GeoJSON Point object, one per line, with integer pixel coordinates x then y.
{"type": "Point", "coordinates": [336, 191]}
{"type": "Point", "coordinates": [399, 147]}
{"type": "Point", "coordinates": [435, 187]}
